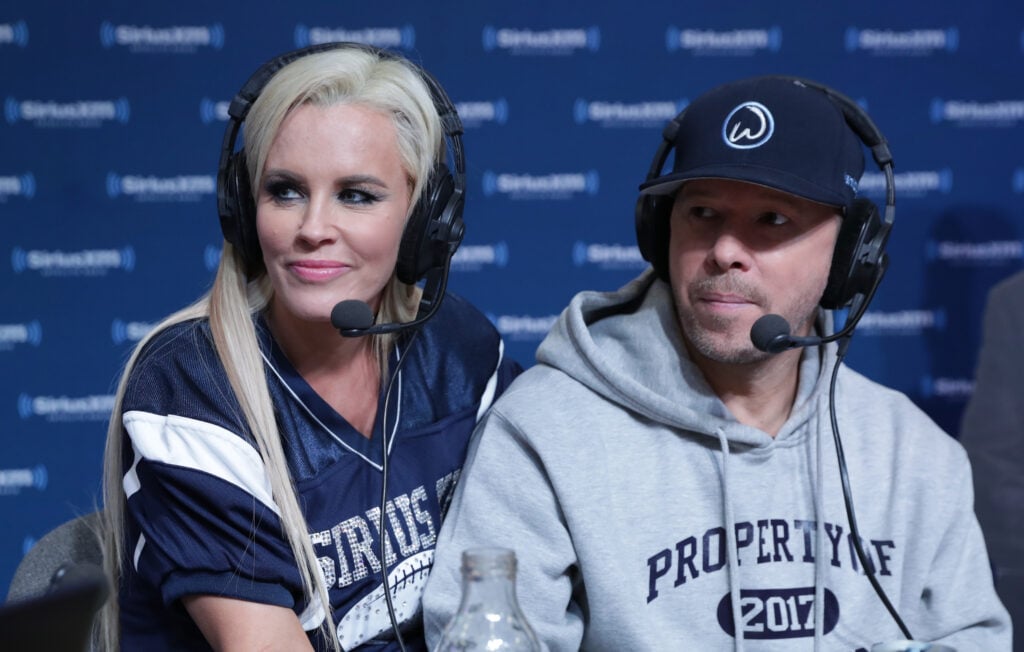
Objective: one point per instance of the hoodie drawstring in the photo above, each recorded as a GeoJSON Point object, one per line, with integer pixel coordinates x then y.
{"type": "Point", "coordinates": [730, 543]}
{"type": "Point", "coordinates": [820, 566]}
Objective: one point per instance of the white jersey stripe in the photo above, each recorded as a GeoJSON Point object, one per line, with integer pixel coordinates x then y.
{"type": "Point", "coordinates": [492, 384]}
{"type": "Point", "coordinates": [194, 444]}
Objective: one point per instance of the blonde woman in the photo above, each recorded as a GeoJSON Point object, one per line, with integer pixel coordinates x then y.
{"type": "Point", "coordinates": [249, 501]}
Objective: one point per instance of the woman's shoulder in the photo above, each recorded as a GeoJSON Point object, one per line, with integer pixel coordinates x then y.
{"type": "Point", "coordinates": [461, 328]}
{"type": "Point", "coordinates": [176, 344]}
{"type": "Point", "coordinates": [177, 370]}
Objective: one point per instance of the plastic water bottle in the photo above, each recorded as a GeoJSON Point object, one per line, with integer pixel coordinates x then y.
{"type": "Point", "coordinates": [489, 617]}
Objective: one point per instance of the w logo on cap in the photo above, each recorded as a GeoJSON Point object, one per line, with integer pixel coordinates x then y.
{"type": "Point", "coordinates": [747, 126]}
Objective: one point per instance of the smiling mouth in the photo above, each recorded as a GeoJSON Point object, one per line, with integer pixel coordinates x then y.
{"type": "Point", "coordinates": [317, 270]}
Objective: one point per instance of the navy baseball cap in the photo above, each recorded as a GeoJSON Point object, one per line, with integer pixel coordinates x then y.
{"type": "Point", "coordinates": [777, 132]}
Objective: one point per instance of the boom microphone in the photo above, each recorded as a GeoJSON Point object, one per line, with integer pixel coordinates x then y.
{"type": "Point", "coordinates": [354, 318]}
{"type": "Point", "coordinates": [771, 334]}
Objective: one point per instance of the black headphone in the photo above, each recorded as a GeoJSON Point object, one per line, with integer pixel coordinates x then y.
{"type": "Point", "coordinates": [435, 227]}
{"type": "Point", "coordinates": [859, 260]}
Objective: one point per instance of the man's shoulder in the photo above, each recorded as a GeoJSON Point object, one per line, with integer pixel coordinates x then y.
{"type": "Point", "coordinates": [888, 417]}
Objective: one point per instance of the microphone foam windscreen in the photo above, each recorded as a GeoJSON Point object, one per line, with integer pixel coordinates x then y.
{"type": "Point", "coordinates": [351, 314]}
{"type": "Point", "coordinates": [766, 329]}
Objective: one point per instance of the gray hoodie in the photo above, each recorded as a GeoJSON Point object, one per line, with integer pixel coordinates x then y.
{"type": "Point", "coordinates": [645, 517]}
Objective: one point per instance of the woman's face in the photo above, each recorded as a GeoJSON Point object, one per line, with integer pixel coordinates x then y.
{"type": "Point", "coordinates": [330, 210]}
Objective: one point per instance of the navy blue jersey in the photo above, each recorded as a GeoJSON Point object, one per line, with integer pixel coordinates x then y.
{"type": "Point", "coordinates": [201, 518]}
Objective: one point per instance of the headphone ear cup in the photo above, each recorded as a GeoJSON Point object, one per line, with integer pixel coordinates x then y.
{"type": "Point", "coordinates": [653, 230]}
{"type": "Point", "coordinates": [434, 229]}
{"type": "Point", "coordinates": [857, 259]}
{"type": "Point", "coordinates": [238, 214]}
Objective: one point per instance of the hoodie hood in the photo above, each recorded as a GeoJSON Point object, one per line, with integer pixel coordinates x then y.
{"type": "Point", "coordinates": [603, 340]}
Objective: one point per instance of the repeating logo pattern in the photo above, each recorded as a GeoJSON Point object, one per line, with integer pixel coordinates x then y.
{"type": "Point", "coordinates": [30, 333]}
{"type": "Point", "coordinates": [397, 37]}
{"type": "Point", "coordinates": [626, 114]}
{"type": "Point", "coordinates": [912, 183]}
{"type": "Point", "coordinates": [1000, 113]}
{"type": "Point", "coordinates": [914, 42]}
{"type": "Point", "coordinates": [478, 113]}
{"type": "Point", "coordinates": [22, 185]}
{"type": "Point", "coordinates": [128, 331]}
{"type": "Point", "coordinates": [734, 42]}
{"type": "Point", "coordinates": [89, 262]}
{"type": "Point", "coordinates": [615, 256]}
{"type": "Point", "coordinates": [475, 257]}
{"type": "Point", "coordinates": [83, 113]}
{"type": "Point", "coordinates": [541, 186]}
{"type": "Point", "coordinates": [213, 110]}
{"type": "Point", "coordinates": [65, 408]}
{"type": "Point", "coordinates": [541, 42]}
{"type": "Point", "coordinates": [976, 253]}
{"type": "Point", "coordinates": [177, 38]}
{"type": "Point", "coordinates": [13, 481]}
{"type": "Point", "coordinates": [152, 188]}
{"type": "Point", "coordinates": [14, 34]}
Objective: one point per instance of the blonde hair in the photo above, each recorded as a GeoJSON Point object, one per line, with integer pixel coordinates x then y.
{"type": "Point", "coordinates": [345, 75]}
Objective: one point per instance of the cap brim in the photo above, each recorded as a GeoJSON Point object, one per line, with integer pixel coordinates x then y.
{"type": "Point", "coordinates": [770, 178]}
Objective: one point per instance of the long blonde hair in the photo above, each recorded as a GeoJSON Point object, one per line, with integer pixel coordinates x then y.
{"type": "Point", "coordinates": [346, 75]}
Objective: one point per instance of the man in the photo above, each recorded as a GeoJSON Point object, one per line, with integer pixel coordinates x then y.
{"type": "Point", "coordinates": [993, 434]}
{"type": "Point", "coordinates": [661, 479]}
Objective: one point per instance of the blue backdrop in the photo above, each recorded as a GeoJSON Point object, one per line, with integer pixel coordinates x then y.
{"type": "Point", "coordinates": [113, 114]}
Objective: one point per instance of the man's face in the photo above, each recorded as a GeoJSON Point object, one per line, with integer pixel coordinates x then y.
{"type": "Point", "coordinates": [739, 251]}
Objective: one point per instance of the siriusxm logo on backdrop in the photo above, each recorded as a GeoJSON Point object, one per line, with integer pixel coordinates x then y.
{"type": "Point", "coordinates": [736, 42]}
{"type": "Point", "coordinates": [911, 42]}
{"type": "Point", "coordinates": [475, 114]}
{"type": "Point", "coordinates": [626, 114]}
{"type": "Point", "coordinates": [129, 331]}
{"type": "Point", "coordinates": [403, 37]}
{"type": "Point", "coordinates": [473, 258]}
{"type": "Point", "coordinates": [82, 113]}
{"type": "Point", "coordinates": [12, 481]}
{"type": "Point", "coordinates": [612, 256]}
{"type": "Point", "coordinates": [213, 111]}
{"type": "Point", "coordinates": [89, 262]}
{"type": "Point", "coordinates": [901, 322]}
{"type": "Point", "coordinates": [12, 335]}
{"type": "Point", "coordinates": [915, 183]}
{"type": "Point", "coordinates": [541, 186]}
{"type": "Point", "coordinates": [179, 188]}
{"type": "Point", "coordinates": [991, 252]}
{"type": "Point", "coordinates": [951, 388]}
{"type": "Point", "coordinates": [181, 39]}
{"type": "Point", "coordinates": [523, 327]}
{"type": "Point", "coordinates": [211, 257]}
{"type": "Point", "coordinates": [22, 185]}
{"type": "Point", "coordinates": [971, 113]}
{"type": "Point", "coordinates": [66, 408]}
{"type": "Point", "coordinates": [542, 42]}
{"type": "Point", "coordinates": [14, 34]}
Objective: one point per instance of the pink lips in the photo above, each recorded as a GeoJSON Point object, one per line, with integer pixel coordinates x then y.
{"type": "Point", "coordinates": [317, 270]}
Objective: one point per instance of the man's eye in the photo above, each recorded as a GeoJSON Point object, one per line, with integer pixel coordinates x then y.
{"type": "Point", "coordinates": [774, 219]}
{"type": "Point", "coordinates": [701, 213]}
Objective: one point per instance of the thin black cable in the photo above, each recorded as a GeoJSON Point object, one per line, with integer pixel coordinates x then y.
{"type": "Point", "coordinates": [869, 569]}
{"type": "Point", "coordinates": [384, 492]}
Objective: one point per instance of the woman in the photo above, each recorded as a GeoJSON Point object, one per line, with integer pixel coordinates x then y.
{"type": "Point", "coordinates": [243, 481]}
